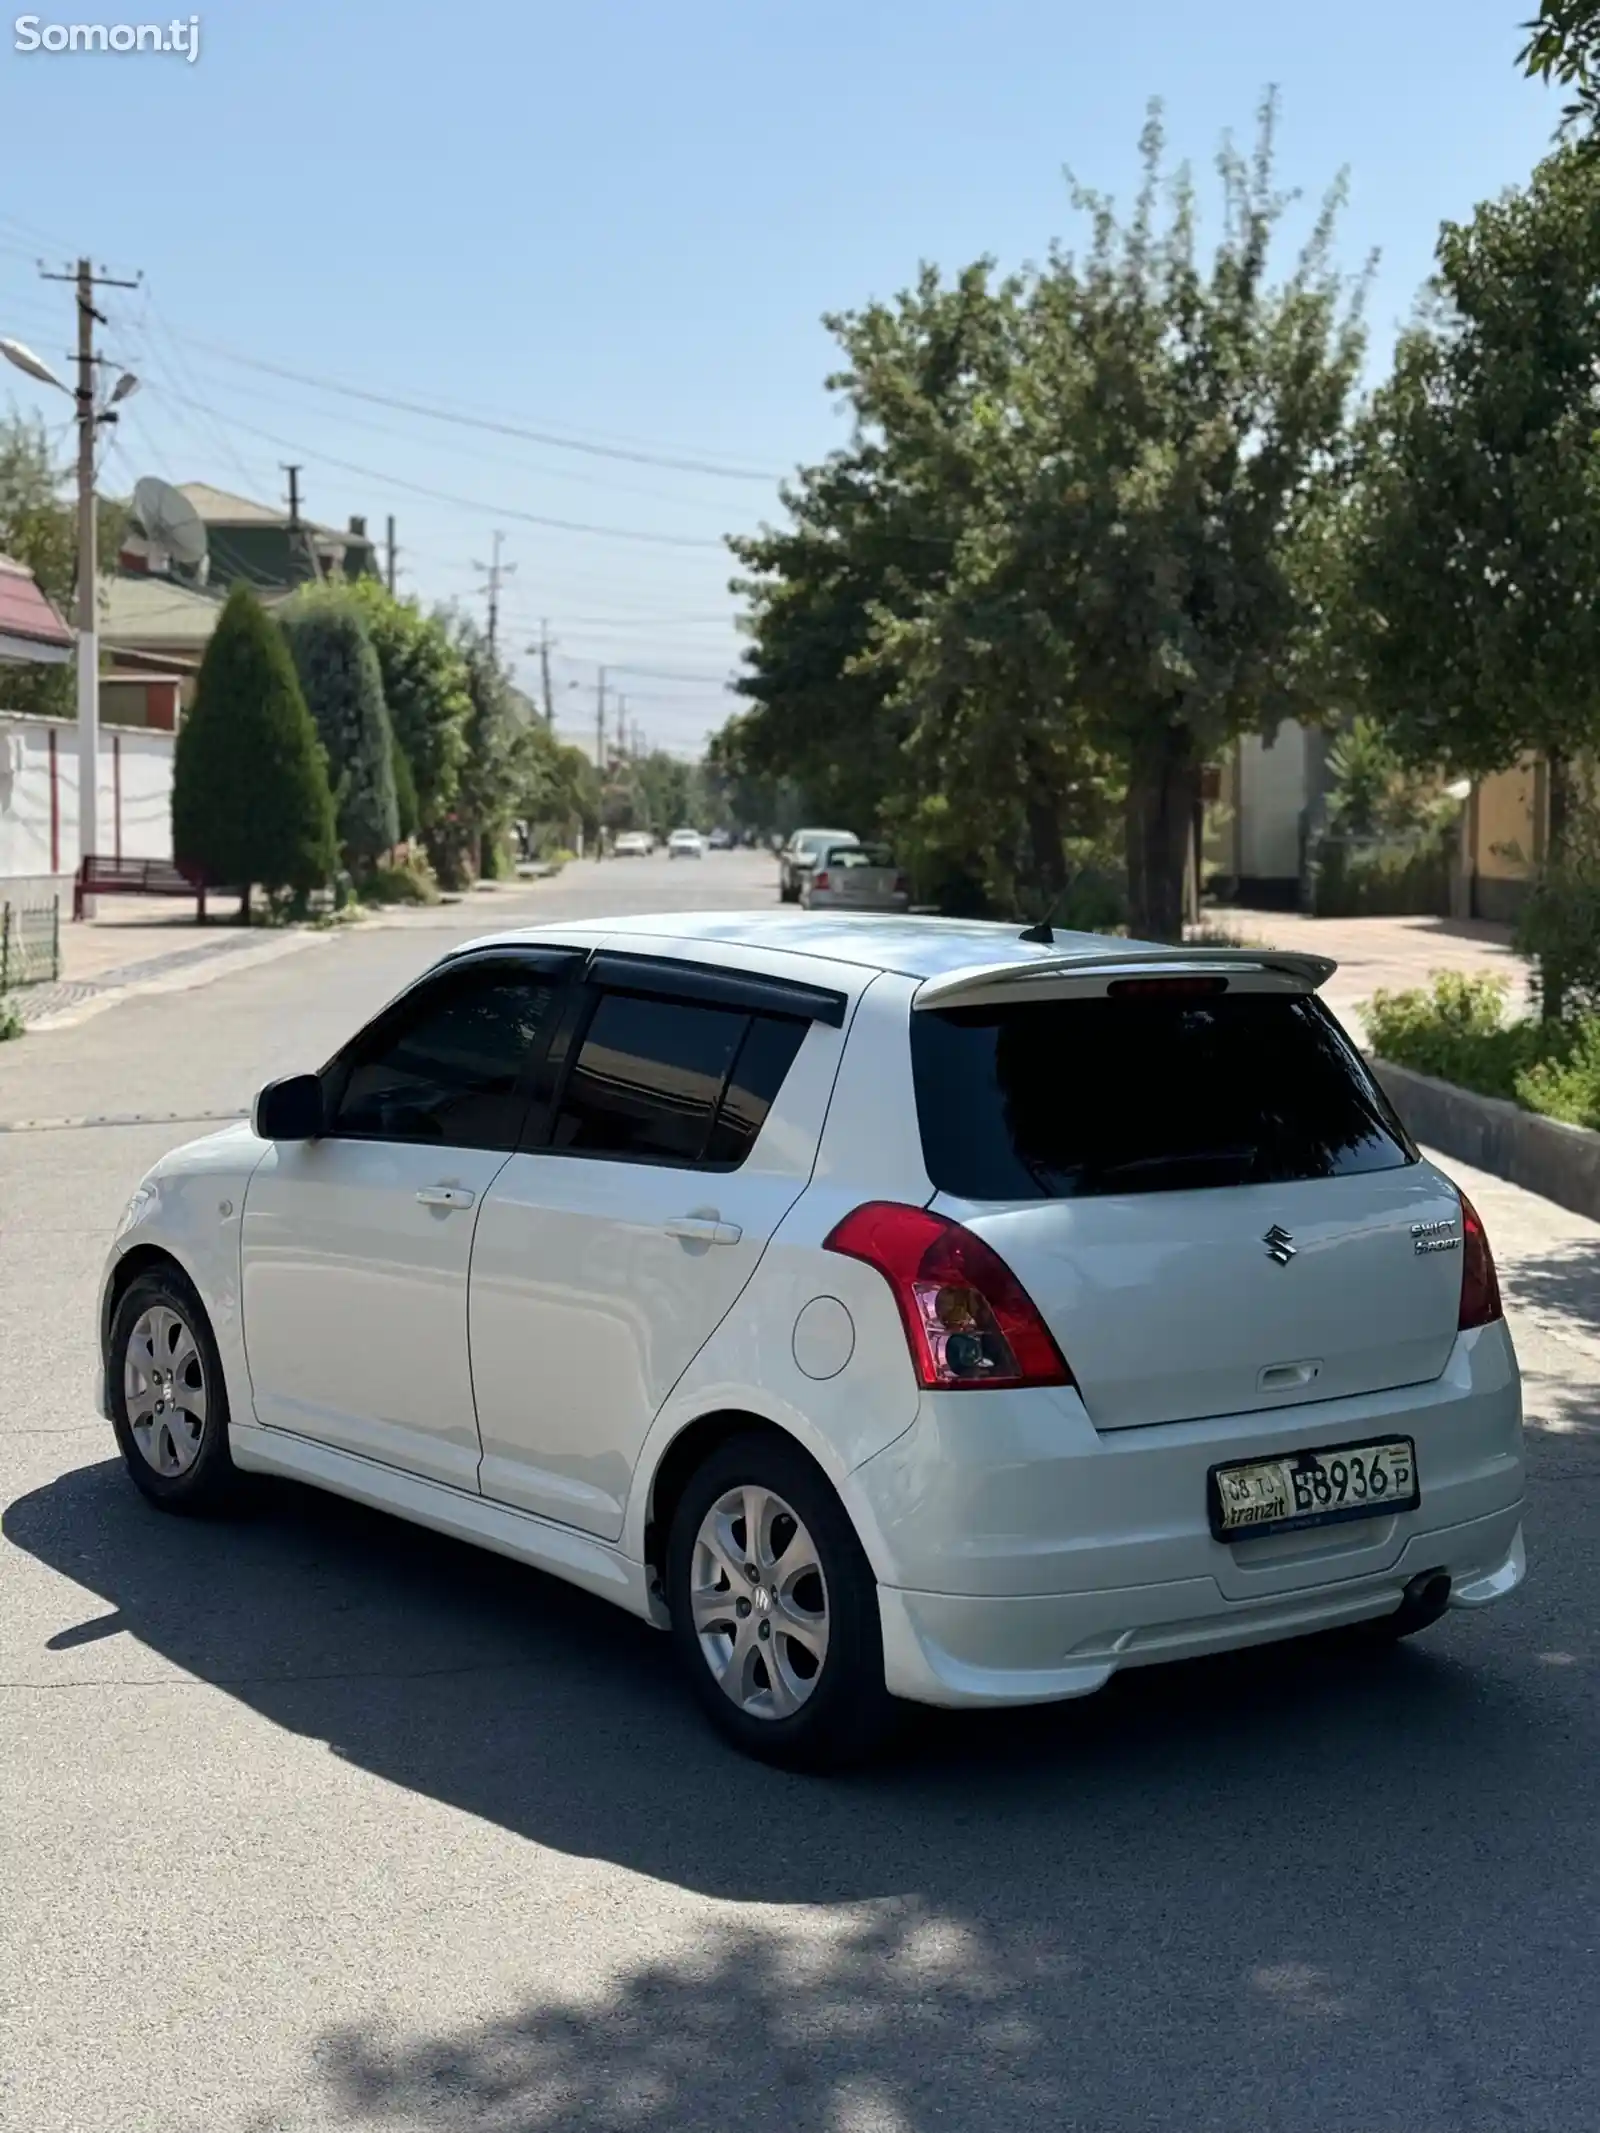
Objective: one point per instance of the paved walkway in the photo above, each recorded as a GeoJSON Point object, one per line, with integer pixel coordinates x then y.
{"type": "Point", "coordinates": [1383, 954]}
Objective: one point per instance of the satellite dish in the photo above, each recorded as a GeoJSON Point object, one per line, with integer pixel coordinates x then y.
{"type": "Point", "coordinates": [172, 525]}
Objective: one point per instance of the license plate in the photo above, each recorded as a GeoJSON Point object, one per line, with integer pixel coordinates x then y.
{"type": "Point", "coordinates": [1315, 1488]}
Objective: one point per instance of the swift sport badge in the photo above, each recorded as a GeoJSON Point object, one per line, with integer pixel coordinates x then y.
{"type": "Point", "coordinates": [1434, 1237]}
{"type": "Point", "coordinates": [1280, 1245]}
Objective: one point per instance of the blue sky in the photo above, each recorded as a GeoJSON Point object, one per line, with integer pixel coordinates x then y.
{"type": "Point", "coordinates": [620, 224]}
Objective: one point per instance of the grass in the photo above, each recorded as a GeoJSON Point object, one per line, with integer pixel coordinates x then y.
{"type": "Point", "coordinates": [11, 1022]}
{"type": "Point", "coordinates": [1456, 1030]}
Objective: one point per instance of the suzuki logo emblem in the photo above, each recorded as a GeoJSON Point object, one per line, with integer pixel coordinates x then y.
{"type": "Point", "coordinates": [1280, 1245]}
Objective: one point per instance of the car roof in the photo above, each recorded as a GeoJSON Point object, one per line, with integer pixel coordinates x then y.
{"type": "Point", "coordinates": [921, 948]}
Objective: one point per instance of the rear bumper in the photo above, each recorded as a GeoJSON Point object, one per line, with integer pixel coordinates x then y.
{"type": "Point", "coordinates": [957, 1651]}
{"type": "Point", "coordinates": [1022, 1555]}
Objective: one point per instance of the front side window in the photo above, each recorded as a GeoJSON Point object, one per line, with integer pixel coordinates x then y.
{"type": "Point", "coordinates": [448, 1066]}
{"type": "Point", "coordinates": [673, 1081]}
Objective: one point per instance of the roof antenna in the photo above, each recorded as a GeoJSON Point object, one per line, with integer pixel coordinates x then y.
{"type": "Point", "coordinates": [1043, 934]}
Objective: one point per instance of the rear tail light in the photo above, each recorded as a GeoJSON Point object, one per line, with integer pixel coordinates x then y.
{"type": "Point", "coordinates": [1480, 1285]}
{"type": "Point", "coordinates": [820, 881]}
{"type": "Point", "coordinates": [969, 1322]}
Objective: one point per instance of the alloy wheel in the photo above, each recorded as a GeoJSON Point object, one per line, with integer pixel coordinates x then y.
{"type": "Point", "coordinates": [164, 1389]}
{"type": "Point", "coordinates": [759, 1600]}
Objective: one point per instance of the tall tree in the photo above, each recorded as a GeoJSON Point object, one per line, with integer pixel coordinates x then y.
{"type": "Point", "coordinates": [250, 798]}
{"type": "Point", "coordinates": [1474, 553]}
{"type": "Point", "coordinates": [343, 689]}
{"type": "Point", "coordinates": [468, 842]}
{"type": "Point", "coordinates": [1186, 422]}
{"type": "Point", "coordinates": [425, 693]}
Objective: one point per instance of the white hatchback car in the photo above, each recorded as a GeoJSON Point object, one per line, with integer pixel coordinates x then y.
{"type": "Point", "coordinates": [888, 1308]}
{"type": "Point", "coordinates": [686, 844]}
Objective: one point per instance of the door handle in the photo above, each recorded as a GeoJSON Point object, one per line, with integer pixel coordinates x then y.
{"type": "Point", "coordinates": [446, 1196]}
{"type": "Point", "coordinates": [703, 1229]}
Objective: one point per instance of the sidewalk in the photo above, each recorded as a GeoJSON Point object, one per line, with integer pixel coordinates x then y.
{"type": "Point", "coordinates": [1382, 954]}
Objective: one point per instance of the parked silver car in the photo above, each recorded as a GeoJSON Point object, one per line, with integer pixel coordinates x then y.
{"type": "Point", "coordinates": [855, 877]}
{"type": "Point", "coordinates": [799, 855]}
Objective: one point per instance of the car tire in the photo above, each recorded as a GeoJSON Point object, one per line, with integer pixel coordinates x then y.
{"type": "Point", "coordinates": [168, 1397]}
{"type": "Point", "coordinates": [796, 1677]}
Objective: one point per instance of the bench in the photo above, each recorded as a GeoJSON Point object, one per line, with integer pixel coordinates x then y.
{"type": "Point", "coordinates": [99, 876]}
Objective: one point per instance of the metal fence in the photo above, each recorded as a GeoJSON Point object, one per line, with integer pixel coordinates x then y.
{"type": "Point", "coordinates": [30, 944]}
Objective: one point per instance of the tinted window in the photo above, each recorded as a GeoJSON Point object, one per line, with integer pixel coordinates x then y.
{"type": "Point", "coordinates": [765, 1057]}
{"type": "Point", "coordinates": [674, 1081]}
{"type": "Point", "coordinates": [648, 1079]}
{"type": "Point", "coordinates": [1069, 1098]}
{"type": "Point", "coordinates": [447, 1065]}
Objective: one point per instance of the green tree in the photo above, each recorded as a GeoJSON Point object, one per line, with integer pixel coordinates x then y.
{"type": "Point", "coordinates": [425, 693]}
{"type": "Point", "coordinates": [250, 798]}
{"type": "Point", "coordinates": [405, 788]}
{"type": "Point", "coordinates": [1473, 556]}
{"type": "Point", "coordinates": [39, 528]}
{"type": "Point", "coordinates": [469, 842]}
{"type": "Point", "coordinates": [343, 689]}
{"type": "Point", "coordinates": [1563, 49]}
{"type": "Point", "coordinates": [1068, 553]}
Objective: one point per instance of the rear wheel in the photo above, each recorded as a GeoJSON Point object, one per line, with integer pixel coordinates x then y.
{"type": "Point", "coordinates": [775, 1609]}
{"type": "Point", "coordinates": [169, 1405]}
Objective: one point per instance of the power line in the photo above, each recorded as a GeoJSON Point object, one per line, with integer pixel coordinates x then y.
{"type": "Point", "coordinates": [465, 503]}
{"type": "Point", "coordinates": [482, 422]}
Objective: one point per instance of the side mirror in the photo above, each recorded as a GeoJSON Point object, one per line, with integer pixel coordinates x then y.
{"type": "Point", "coordinates": [289, 1110]}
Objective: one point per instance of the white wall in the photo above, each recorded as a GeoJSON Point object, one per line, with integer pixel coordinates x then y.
{"type": "Point", "coordinates": [140, 760]}
{"type": "Point", "coordinates": [1272, 792]}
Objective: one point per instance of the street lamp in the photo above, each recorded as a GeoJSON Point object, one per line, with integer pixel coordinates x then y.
{"type": "Point", "coordinates": [89, 417]}
{"type": "Point", "coordinates": [24, 359]}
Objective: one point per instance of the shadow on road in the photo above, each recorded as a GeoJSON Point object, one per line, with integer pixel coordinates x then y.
{"type": "Point", "coordinates": [1294, 1889]}
{"type": "Point", "coordinates": [1562, 1280]}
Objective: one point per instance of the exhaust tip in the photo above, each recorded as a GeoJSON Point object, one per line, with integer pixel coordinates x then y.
{"type": "Point", "coordinates": [1426, 1597]}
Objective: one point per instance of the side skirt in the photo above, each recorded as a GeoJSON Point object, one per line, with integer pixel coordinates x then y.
{"type": "Point", "coordinates": [539, 1542]}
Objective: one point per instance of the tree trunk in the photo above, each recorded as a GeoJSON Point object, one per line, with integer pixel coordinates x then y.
{"type": "Point", "coordinates": [1163, 793]}
{"type": "Point", "coordinates": [1042, 810]}
{"type": "Point", "coordinates": [244, 905]}
{"type": "Point", "coordinates": [1558, 785]}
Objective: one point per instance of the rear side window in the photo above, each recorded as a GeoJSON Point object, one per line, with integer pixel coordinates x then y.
{"type": "Point", "coordinates": [1068, 1099]}
{"type": "Point", "coordinates": [673, 1081]}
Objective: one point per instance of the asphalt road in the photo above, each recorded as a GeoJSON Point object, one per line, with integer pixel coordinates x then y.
{"type": "Point", "coordinates": [312, 1820]}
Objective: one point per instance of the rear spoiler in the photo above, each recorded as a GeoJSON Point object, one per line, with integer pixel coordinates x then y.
{"type": "Point", "coordinates": [997, 984]}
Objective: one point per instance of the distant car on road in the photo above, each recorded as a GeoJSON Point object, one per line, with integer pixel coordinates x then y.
{"type": "Point", "coordinates": [800, 854]}
{"type": "Point", "coordinates": [855, 877]}
{"type": "Point", "coordinates": [721, 840]}
{"type": "Point", "coordinates": [686, 844]}
{"type": "Point", "coordinates": [634, 844]}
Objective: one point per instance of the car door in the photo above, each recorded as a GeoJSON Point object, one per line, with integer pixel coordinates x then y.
{"type": "Point", "coordinates": [677, 1127]}
{"type": "Point", "coordinates": [356, 1245]}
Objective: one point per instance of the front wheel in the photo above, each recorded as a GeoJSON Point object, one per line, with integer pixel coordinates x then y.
{"type": "Point", "coordinates": [775, 1609]}
{"type": "Point", "coordinates": [169, 1405]}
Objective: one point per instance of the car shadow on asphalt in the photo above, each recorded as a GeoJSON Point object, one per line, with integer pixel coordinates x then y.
{"type": "Point", "coordinates": [1195, 1884]}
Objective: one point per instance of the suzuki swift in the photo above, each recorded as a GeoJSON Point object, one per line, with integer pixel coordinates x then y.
{"type": "Point", "coordinates": [888, 1309]}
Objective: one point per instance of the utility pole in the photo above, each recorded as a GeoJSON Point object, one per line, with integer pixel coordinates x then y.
{"type": "Point", "coordinates": [87, 281]}
{"type": "Point", "coordinates": [544, 672]}
{"type": "Point", "coordinates": [600, 758]}
{"type": "Point", "coordinates": [389, 552]}
{"type": "Point", "coordinates": [295, 525]}
{"type": "Point", "coordinates": [495, 571]}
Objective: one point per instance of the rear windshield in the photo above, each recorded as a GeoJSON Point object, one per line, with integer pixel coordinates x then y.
{"type": "Point", "coordinates": [1066, 1099]}
{"type": "Point", "coordinates": [859, 855]}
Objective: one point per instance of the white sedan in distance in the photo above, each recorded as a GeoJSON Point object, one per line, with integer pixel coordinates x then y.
{"type": "Point", "coordinates": [686, 844]}
{"type": "Point", "coordinates": [886, 1310]}
{"type": "Point", "coordinates": [633, 844]}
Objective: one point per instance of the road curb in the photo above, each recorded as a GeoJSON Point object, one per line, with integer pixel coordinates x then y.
{"type": "Point", "coordinates": [1542, 1155]}
{"type": "Point", "coordinates": [91, 997]}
